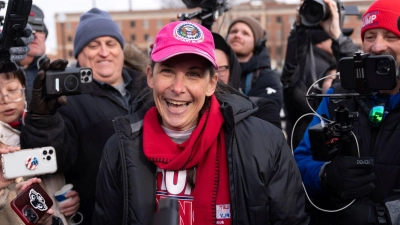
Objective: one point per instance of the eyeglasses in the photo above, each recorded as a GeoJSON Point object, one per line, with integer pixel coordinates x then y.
{"type": "Point", "coordinates": [14, 96]}
{"type": "Point", "coordinates": [222, 70]}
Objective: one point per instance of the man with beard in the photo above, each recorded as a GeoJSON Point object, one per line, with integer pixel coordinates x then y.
{"type": "Point", "coordinates": [247, 39]}
{"type": "Point", "coordinates": [372, 176]}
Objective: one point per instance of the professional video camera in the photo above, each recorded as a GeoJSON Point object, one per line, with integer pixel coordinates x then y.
{"type": "Point", "coordinates": [210, 11]}
{"type": "Point", "coordinates": [14, 25]}
{"type": "Point", "coordinates": [362, 74]}
{"type": "Point", "coordinates": [312, 12]}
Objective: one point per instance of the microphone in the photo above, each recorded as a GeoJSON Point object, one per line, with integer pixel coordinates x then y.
{"type": "Point", "coordinates": [167, 212]}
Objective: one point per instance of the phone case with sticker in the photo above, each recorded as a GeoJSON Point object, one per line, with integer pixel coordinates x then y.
{"type": "Point", "coordinates": [31, 205]}
{"type": "Point", "coordinates": [29, 162]}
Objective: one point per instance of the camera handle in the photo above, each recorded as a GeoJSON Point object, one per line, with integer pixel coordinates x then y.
{"type": "Point", "coordinates": [344, 127]}
{"type": "Point", "coordinates": [206, 16]}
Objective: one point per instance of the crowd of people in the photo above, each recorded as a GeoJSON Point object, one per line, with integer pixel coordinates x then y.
{"type": "Point", "coordinates": [197, 120]}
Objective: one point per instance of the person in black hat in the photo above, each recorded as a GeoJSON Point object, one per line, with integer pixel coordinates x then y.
{"type": "Point", "coordinates": [37, 48]}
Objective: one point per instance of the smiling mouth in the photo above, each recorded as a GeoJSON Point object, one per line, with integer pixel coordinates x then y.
{"type": "Point", "coordinates": [176, 104]}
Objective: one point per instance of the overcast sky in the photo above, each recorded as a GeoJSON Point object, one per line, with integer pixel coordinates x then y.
{"type": "Point", "coordinates": [51, 7]}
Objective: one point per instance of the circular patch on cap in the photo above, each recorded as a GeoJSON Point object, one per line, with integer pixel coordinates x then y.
{"type": "Point", "coordinates": [188, 32]}
{"type": "Point", "coordinates": [31, 163]}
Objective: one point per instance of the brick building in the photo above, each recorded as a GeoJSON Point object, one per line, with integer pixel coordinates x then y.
{"type": "Point", "coordinates": [140, 27]}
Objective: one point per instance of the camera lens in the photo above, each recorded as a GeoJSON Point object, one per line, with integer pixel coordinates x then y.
{"type": "Point", "coordinates": [30, 215]}
{"type": "Point", "coordinates": [44, 152]}
{"type": "Point", "coordinates": [83, 73]}
{"type": "Point", "coordinates": [312, 12]}
{"type": "Point", "coordinates": [50, 152]}
{"type": "Point", "coordinates": [86, 79]}
{"type": "Point", "coordinates": [383, 66]}
{"type": "Point", "coordinates": [48, 158]}
{"type": "Point", "coordinates": [71, 83]}
{"type": "Point", "coordinates": [89, 73]}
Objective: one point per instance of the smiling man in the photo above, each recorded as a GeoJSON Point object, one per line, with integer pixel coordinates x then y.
{"type": "Point", "coordinates": [79, 130]}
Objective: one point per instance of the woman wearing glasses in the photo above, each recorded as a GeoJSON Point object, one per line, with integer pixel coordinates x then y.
{"type": "Point", "coordinates": [12, 112]}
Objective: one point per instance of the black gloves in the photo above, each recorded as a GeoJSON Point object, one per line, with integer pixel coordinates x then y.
{"type": "Point", "coordinates": [349, 177]}
{"type": "Point", "coordinates": [19, 53]}
{"type": "Point", "coordinates": [41, 106]}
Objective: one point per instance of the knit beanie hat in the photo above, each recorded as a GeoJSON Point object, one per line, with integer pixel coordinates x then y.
{"type": "Point", "coordinates": [382, 14]}
{"type": "Point", "coordinates": [255, 26]}
{"type": "Point", "coordinates": [93, 24]}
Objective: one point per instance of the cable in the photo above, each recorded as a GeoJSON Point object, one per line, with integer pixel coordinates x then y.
{"type": "Point", "coordinates": [305, 190]}
{"type": "Point", "coordinates": [309, 89]}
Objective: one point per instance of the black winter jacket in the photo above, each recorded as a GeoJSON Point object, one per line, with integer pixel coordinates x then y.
{"type": "Point", "coordinates": [265, 183]}
{"type": "Point", "coordinates": [78, 132]}
{"type": "Point", "coordinates": [266, 82]}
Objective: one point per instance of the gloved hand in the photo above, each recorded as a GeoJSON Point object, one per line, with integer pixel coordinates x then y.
{"type": "Point", "coordinates": [41, 106]}
{"type": "Point", "coordinates": [19, 53]}
{"type": "Point", "coordinates": [349, 177]}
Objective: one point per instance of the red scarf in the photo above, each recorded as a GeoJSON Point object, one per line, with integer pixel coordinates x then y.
{"type": "Point", "coordinates": [205, 149]}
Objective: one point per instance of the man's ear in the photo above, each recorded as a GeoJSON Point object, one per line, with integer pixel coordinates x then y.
{"type": "Point", "coordinates": [149, 74]}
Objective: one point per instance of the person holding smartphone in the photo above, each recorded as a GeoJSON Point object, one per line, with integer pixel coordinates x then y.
{"type": "Point", "coordinates": [48, 218]}
{"type": "Point", "coordinates": [12, 114]}
{"type": "Point", "coordinates": [79, 129]}
{"type": "Point", "coordinates": [371, 176]}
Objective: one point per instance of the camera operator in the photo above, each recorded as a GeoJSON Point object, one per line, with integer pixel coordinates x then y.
{"type": "Point", "coordinates": [373, 178]}
{"type": "Point", "coordinates": [311, 54]}
{"type": "Point", "coordinates": [79, 130]}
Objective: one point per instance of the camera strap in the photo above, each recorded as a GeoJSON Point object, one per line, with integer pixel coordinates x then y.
{"type": "Point", "coordinates": [250, 79]}
{"type": "Point", "coordinates": [313, 67]}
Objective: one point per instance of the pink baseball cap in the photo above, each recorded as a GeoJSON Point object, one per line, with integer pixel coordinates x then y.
{"type": "Point", "coordinates": [183, 37]}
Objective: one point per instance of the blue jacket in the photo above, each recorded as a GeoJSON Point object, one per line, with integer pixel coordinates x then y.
{"type": "Point", "coordinates": [309, 168]}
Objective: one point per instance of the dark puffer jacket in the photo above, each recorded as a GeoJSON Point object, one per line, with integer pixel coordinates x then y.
{"type": "Point", "coordinates": [78, 132]}
{"type": "Point", "coordinates": [266, 82]}
{"type": "Point", "coordinates": [265, 184]}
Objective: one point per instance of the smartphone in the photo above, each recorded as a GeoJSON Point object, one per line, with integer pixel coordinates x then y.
{"type": "Point", "coordinates": [29, 162]}
{"type": "Point", "coordinates": [71, 81]}
{"type": "Point", "coordinates": [379, 72]}
{"type": "Point", "coordinates": [31, 205]}
{"type": "Point", "coordinates": [15, 22]}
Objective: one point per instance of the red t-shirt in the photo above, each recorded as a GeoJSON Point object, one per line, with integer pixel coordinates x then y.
{"type": "Point", "coordinates": [174, 183]}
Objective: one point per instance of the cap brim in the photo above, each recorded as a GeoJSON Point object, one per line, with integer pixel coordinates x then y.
{"type": "Point", "coordinates": [171, 51]}
{"type": "Point", "coordinates": [37, 27]}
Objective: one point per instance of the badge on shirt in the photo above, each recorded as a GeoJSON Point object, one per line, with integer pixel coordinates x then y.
{"type": "Point", "coordinates": [223, 211]}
